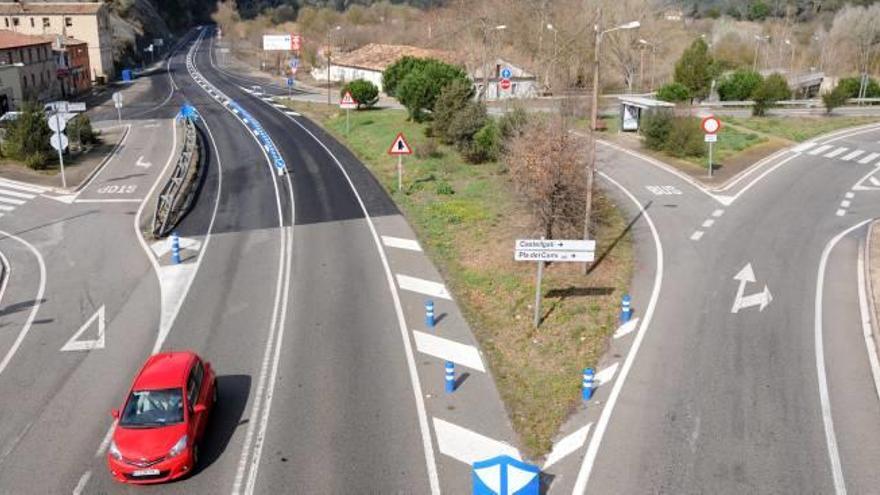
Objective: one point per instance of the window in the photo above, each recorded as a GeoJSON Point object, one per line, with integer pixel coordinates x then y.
{"type": "Point", "coordinates": [46, 22]}
{"type": "Point", "coordinates": [6, 20]}
{"type": "Point", "coordinates": [194, 385]}
{"type": "Point", "coordinates": [15, 21]}
{"type": "Point", "coordinates": [68, 22]}
{"type": "Point", "coordinates": [32, 22]}
{"type": "Point", "coordinates": [153, 408]}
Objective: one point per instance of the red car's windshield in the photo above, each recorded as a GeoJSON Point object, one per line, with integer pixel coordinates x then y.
{"type": "Point", "coordinates": [153, 408]}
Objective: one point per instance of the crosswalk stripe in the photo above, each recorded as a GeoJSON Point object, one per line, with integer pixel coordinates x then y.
{"type": "Point", "coordinates": [16, 194]}
{"type": "Point", "coordinates": [820, 149]}
{"type": "Point", "coordinates": [6, 208]}
{"type": "Point", "coordinates": [22, 187]}
{"type": "Point", "coordinates": [449, 350]}
{"type": "Point", "coordinates": [852, 155]}
{"type": "Point", "coordinates": [836, 152]}
{"type": "Point", "coordinates": [11, 201]}
{"type": "Point", "coordinates": [422, 286]}
{"type": "Point", "coordinates": [869, 158]}
{"type": "Point", "coordinates": [804, 146]}
{"type": "Point", "coordinates": [400, 243]}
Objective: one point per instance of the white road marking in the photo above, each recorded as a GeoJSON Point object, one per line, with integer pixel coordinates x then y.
{"type": "Point", "coordinates": [110, 200]}
{"type": "Point", "coordinates": [708, 223]}
{"type": "Point", "coordinates": [824, 401]}
{"type": "Point", "coordinates": [845, 203]}
{"type": "Point", "coordinates": [21, 186]}
{"type": "Point", "coordinates": [11, 201]}
{"type": "Point", "coordinates": [762, 299]}
{"type": "Point", "coordinates": [141, 163]}
{"type": "Point", "coordinates": [423, 286]}
{"type": "Point", "coordinates": [105, 443]}
{"type": "Point", "coordinates": [875, 181]}
{"type": "Point", "coordinates": [583, 477]}
{"type": "Point", "coordinates": [397, 242]}
{"type": "Point", "coordinates": [840, 213]}
{"type": "Point", "coordinates": [804, 146]}
{"type": "Point", "coordinates": [866, 320]}
{"type": "Point", "coordinates": [6, 208]}
{"type": "Point", "coordinates": [850, 195]}
{"type": "Point", "coordinates": [567, 445]}
{"type": "Point", "coordinates": [664, 190]}
{"type": "Point", "coordinates": [468, 446]}
{"type": "Point", "coordinates": [41, 290]}
{"type": "Point", "coordinates": [74, 344]}
{"type": "Point", "coordinates": [836, 152]}
{"type": "Point", "coordinates": [852, 155]}
{"type": "Point", "coordinates": [7, 269]}
{"type": "Point", "coordinates": [83, 481]}
{"type": "Point", "coordinates": [163, 247]}
{"type": "Point", "coordinates": [697, 235]}
{"type": "Point", "coordinates": [820, 149]}
{"type": "Point", "coordinates": [448, 350]}
{"type": "Point", "coordinates": [16, 194]}
{"type": "Point", "coordinates": [626, 328]}
{"type": "Point", "coordinates": [292, 114]}
{"type": "Point", "coordinates": [717, 213]}
{"type": "Point", "coordinates": [869, 158]}
{"type": "Point", "coordinates": [605, 375]}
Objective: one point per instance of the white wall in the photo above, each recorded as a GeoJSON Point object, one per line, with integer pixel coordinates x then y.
{"type": "Point", "coordinates": [346, 74]}
{"type": "Point", "coordinates": [526, 88]}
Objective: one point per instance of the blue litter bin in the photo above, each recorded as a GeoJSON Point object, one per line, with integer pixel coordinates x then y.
{"type": "Point", "coordinates": [126, 75]}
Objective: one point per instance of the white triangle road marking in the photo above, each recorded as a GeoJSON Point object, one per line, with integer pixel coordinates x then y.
{"type": "Point", "coordinates": [567, 445]}
{"type": "Point", "coordinates": [469, 446]}
{"type": "Point", "coordinates": [74, 344]}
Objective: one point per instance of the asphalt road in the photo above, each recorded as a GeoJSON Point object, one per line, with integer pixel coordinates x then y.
{"type": "Point", "coordinates": [722, 399]}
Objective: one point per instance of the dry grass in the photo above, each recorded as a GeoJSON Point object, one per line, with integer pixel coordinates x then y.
{"type": "Point", "coordinates": [470, 236]}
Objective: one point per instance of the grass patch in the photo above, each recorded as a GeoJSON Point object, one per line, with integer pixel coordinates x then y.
{"type": "Point", "coordinates": [799, 128]}
{"type": "Point", "coordinates": [730, 142]}
{"type": "Point", "coordinates": [451, 205]}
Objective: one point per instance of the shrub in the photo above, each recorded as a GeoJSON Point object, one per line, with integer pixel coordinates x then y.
{"type": "Point", "coordinates": [850, 87]}
{"type": "Point", "coordinates": [80, 130]}
{"type": "Point", "coordinates": [29, 133]}
{"type": "Point", "coordinates": [685, 138]}
{"type": "Point", "coordinates": [771, 90]}
{"type": "Point", "coordinates": [467, 122]}
{"type": "Point", "coordinates": [513, 123]}
{"type": "Point", "coordinates": [739, 85]}
{"type": "Point", "coordinates": [428, 149]}
{"type": "Point", "coordinates": [444, 188]}
{"type": "Point", "coordinates": [36, 160]}
{"type": "Point", "coordinates": [834, 98]}
{"type": "Point", "coordinates": [419, 90]}
{"type": "Point", "coordinates": [452, 99]}
{"type": "Point", "coordinates": [486, 145]}
{"type": "Point", "coordinates": [655, 128]}
{"type": "Point", "coordinates": [674, 92]}
{"type": "Point", "coordinates": [365, 93]}
{"type": "Point", "coordinates": [396, 72]}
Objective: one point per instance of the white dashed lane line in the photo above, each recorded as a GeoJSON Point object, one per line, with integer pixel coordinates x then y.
{"type": "Point", "coordinates": [836, 152]}
{"type": "Point", "coordinates": [820, 149]}
{"type": "Point", "coordinates": [696, 236]}
{"type": "Point", "coordinates": [422, 286]}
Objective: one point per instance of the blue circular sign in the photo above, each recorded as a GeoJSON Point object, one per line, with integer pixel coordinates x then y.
{"type": "Point", "coordinates": [505, 73]}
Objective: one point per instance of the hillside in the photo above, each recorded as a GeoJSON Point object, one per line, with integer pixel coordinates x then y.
{"type": "Point", "coordinates": [756, 10]}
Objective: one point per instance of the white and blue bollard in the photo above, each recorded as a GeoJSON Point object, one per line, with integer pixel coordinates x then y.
{"type": "Point", "coordinates": [429, 314]}
{"type": "Point", "coordinates": [588, 384]}
{"type": "Point", "coordinates": [175, 248]}
{"type": "Point", "coordinates": [450, 377]}
{"type": "Point", "coordinates": [625, 309]}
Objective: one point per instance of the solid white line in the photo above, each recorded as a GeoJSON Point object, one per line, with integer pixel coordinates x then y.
{"type": "Point", "coordinates": [867, 331]}
{"type": "Point", "coordinates": [852, 155]}
{"type": "Point", "coordinates": [427, 444]}
{"type": "Point", "coordinates": [83, 481]}
{"type": "Point", "coordinates": [717, 213]}
{"type": "Point", "coordinates": [567, 445]}
{"type": "Point", "coordinates": [397, 242]}
{"type": "Point", "coordinates": [708, 223]}
{"type": "Point", "coordinates": [845, 203]}
{"type": "Point", "coordinates": [16, 194]}
{"type": "Point", "coordinates": [449, 350]}
{"type": "Point", "coordinates": [106, 161]}
{"type": "Point", "coordinates": [697, 235]}
{"type": "Point", "coordinates": [423, 286]}
{"type": "Point", "coordinates": [820, 149]}
{"type": "Point", "coordinates": [110, 200]}
{"type": "Point", "coordinates": [869, 158]}
{"type": "Point", "coordinates": [7, 269]}
{"type": "Point", "coordinates": [469, 446]}
{"type": "Point", "coordinates": [836, 152]}
{"type": "Point", "coordinates": [824, 401]}
{"type": "Point", "coordinates": [106, 441]}
{"type": "Point", "coordinates": [841, 213]}
{"type": "Point", "coordinates": [583, 476]}
{"type": "Point", "coordinates": [37, 301]}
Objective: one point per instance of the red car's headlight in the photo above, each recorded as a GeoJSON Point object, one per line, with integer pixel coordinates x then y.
{"type": "Point", "coordinates": [178, 448]}
{"type": "Point", "coordinates": [114, 451]}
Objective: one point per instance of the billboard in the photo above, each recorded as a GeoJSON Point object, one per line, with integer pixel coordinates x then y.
{"type": "Point", "coordinates": [280, 42]}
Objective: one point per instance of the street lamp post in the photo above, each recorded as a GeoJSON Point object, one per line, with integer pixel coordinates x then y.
{"type": "Point", "coordinates": [555, 54]}
{"type": "Point", "coordinates": [758, 40]}
{"type": "Point", "coordinates": [594, 122]}
{"type": "Point", "coordinates": [329, 64]}
{"type": "Point", "coordinates": [485, 31]}
{"type": "Point", "coordinates": [791, 64]}
{"type": "Point", "coordinates": [653, 46]}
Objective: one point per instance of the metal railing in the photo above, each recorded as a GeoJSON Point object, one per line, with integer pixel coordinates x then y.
{"type": "Point", "coordinates": [178, 192]}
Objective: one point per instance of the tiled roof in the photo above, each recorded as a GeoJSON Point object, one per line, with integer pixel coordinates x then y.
{"type": "Point", "coordinates": [9, 39]}
{"type": "Point", "coordinates": [378, 57]}
{"type": "Point", "coordinates": [84, 8]}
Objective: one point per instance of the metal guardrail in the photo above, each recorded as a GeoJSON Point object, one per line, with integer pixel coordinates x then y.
{"type": "Point", "coordinates": [787, 103]}
{"type": "Point", "coordinates": [178, 192]}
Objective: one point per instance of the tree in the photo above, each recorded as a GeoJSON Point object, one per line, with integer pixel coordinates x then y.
{"type": "Point", "coordinates": [758, 10]}
{"type": "Point", "coordinates": [365, 93]}
{"type": "Point", "coordinates": [396, 72]}
{"type": "Point", "coordinates": [486, 143]}
{"type": "Point", "coordinates": [695, 69]}
{"type": "Point", "coordinates": [655, 128]}
{"type": "Point", "coordinates": [419, 90]}
{"type": "Point", "coordinates": [80, 130]}
{"type": "Point", "coordinates": [27, 139]}
{"type": "Point", "coordinates": [548, 169]}
{"type": "Point", "coordinates": [850, 86]}
{"type": "Point", "coordinates": [452, 99]}
{"type": "Point", "coordinates": [466, 122]}
{"type": "Point", "coordinates": [771, 90]}
{"type": "Point", "coordinates": [739, 85]}
{"type": "Point", "coordinates": [835, 98]}
{"type": "Point", "coordinates": [674, 92]}
{"type": "Point", "coordinates": [856, 32]}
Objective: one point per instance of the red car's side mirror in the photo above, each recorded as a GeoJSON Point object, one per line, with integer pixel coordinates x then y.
{"type": "Point", "coordinates": [199, 408]}
{"type": "Point", "coordinates": [114, 413]}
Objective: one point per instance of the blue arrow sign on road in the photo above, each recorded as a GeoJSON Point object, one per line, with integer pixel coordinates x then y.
{"type": "Point", "coordinates": [188, 111]}
{"type": "Point", "coordinates": [504, 475]}
{"type": "Point", "coordinates": [505, 73]}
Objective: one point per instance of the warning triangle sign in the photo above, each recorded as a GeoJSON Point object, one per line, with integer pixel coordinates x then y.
{"type": "Point", "coordinates": [74, 344]}
{"type": "Point", "coordinates": [399, 146]}
{"type": "Point", "coordinates": [347, 101]}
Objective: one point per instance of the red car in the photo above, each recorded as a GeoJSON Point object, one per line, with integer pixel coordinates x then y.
{"type": "Point", "coordinates": [163, 420]}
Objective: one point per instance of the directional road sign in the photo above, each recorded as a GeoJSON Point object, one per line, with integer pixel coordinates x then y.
{"type": "Point", "coordinates": [59, 141]}
{"type": "Point", "coordinates": [399, 146]}
{"type": "Point", "coordinates": [56, 122]}
{"type": "Point", "coordinates": [347, 102]}
{"type": "Point", "coordinates": [505, 73]}
{"type": "Point", "coordinates": [290, 82]}
{"type": "Point", "coordinates": [76, 107]}
{"type": "Point", "coordinates": [710, 138]}
{"type": "Point", "coordinates": [117, 99]}
{"type": "Point", "coordinates": [576, 250]}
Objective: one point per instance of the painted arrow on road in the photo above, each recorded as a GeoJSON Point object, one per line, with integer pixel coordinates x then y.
{"type": "Point", "coordinates": [142, 163]}
{"type": "Point", "coordinates": [761, 299]}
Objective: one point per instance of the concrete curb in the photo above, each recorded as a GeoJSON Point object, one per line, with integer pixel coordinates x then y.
{"type": "Point", "coordinates": [88, 178]}
{"type": "Point", "coordinates": [869, 262]}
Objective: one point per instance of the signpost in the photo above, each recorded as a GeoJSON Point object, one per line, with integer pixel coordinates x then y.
{"type": "Point", "coordinates": [347, 103]}
{"type": "Point", "coordinates": [62, 112]}
{"type": "Point", "coordinates": [711, 126]}
{"type": "Point", "coordinates": [290, 83]}
{"type": "Point", "coordinates": [543, 250]}
{"type": "Point", "coordinates": [399, 147]}
{"type": "Point", "coordinates": [505, 84]}
{"type": "Point", "coordinates": [117, 102]}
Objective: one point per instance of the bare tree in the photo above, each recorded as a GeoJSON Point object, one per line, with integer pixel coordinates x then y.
{"type": "Point", "coordinates": [856, 32]}
{"type": "Point", "coordinates": [547, 168]}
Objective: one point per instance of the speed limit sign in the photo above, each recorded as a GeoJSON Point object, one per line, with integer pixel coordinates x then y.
{"type": "Point", "coordinates": [711, 125]}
